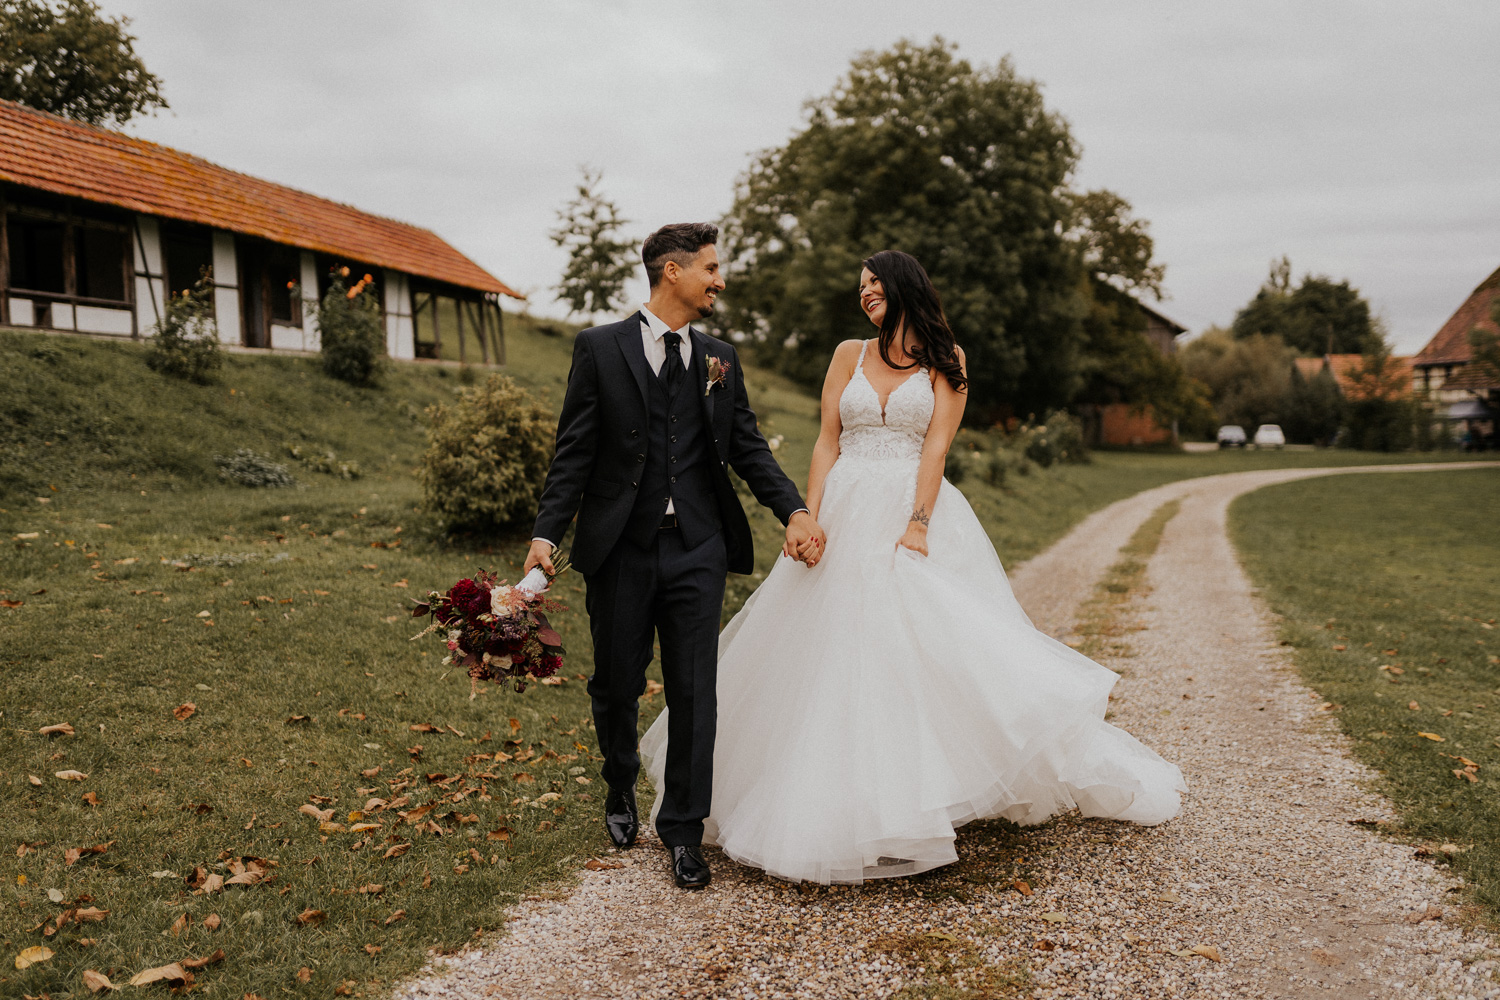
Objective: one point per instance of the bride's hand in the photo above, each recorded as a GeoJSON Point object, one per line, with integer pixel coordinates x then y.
{"type": "Point", "coordinates": [915, 538]}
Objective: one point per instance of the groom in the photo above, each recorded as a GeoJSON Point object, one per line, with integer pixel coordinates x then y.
{"type": "Point", "coordinates": [655, 413]}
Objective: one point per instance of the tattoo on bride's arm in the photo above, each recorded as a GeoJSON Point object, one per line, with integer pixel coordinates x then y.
{"type": "Point", "coordinates": [920, 515]}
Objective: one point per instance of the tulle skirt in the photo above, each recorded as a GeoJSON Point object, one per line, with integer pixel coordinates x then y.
{"type": "Point", "coordinates": [873, 704]}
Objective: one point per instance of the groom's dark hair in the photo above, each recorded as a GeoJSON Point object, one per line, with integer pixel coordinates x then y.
{"type": "Point", "coordinates": [679, 241]}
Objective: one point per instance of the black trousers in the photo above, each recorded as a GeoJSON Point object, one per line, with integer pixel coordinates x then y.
{"type": "Point", "coordinates": [664, 591]}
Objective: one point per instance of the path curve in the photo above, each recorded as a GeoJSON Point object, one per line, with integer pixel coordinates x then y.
{"type": "Point", "coordinates": [1263, 864]}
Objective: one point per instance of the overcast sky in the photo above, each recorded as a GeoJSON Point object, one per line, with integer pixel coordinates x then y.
{"type": "Point", "coordinates": [1360, 138]}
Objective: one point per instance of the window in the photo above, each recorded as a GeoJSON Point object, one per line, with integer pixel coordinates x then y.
{"type": "Point", "coordinates": [37, 248]}
{"type": "Point", "coordinates": [283, 275]}
{"type": "Point", "coordinates": [101, 255]}
{"type": "Point", "coordinates": [188, 254]}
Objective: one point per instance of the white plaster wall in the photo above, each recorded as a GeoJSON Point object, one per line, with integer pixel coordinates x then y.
{"type": "Point", "coordinates": [62, 316]}
{"type": "Point", "coordinates": [98, 319]}
{"type": "Point", "coordinates": [226, 289]}
{"type": "Point", "coordinates": [21, 313]}
{"type": "Point", "coordinates": [149, 292]}
{"type": "Point", "coordinates": [287, 338]}
{"type": "Point", "coordinates": [400, 335]}
{"type": "Point", "coordinates": [310, 339]}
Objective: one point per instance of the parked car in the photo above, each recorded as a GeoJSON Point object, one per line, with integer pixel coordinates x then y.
{"type": "Point", "coordinates": [1231, 436]}
{"type": "Point", "coordinates": [1269, 436]}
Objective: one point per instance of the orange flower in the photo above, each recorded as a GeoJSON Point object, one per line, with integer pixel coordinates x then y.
{"type": "Point", "coordinates": [352, 292]}
{"type": "Point", "coordinates": [343, 272]}
{"type": "Point", "coordinates": [366, 279]}
{"type": "Point", "coordinates": [291, 286]}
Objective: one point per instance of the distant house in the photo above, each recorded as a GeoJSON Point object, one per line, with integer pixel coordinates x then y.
{"type": "Point", "coordinates": [98, 229]}
{"type": "Point", "coordinates": [1399, 378]}
{"type": "Point", "coordinates": [1120, 424]}
{"type": "Point", "coordinates": [1467, 396]}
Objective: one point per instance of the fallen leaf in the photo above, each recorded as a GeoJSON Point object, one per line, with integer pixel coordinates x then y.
{"type": "Point", "coordinates": [33, 779]}
{"type": "Point", "coordinates": [371, 772]}
{"type": "Point", "coordinates": [1432, 736]}
{"type": "Point", "coordinates": [55, 895]}
{"type": "Point", "coordinates": [162, 974]}
{"type": "Point", "coordinates": [321, 815]}
{"type": "Point", "coordinates": [212, 922]}
{"type": "Point", "coordinates": [599, 865]}
{"type": "Point", "coordinates": [304, 975]}
{"type": "Point", "coordinates": [653, 687]}
{"type": "Point", "coordinates": [92, 798]}
{"type": "Point", "coordinates": [1053, 917]}
{"type": "Point", "coordinates": [326, 827]}
{"type": "Point", "coordinates": [501, 834]}
{"type": "Point", "coordinates": [1413, 706]}
{"type": "Point", "coordinates": [1326, 957]}
{"type": "Point", "coordinates": [344, 989]}
{"type": "Point", "coordinates": [70, 775]}
{"type": "Point", "coordinates": [372, 949]}
{"type": "Point", "coordinates": [178, 926]}
{"type": "Point", "coordinates": [1208, 951]}
{"type": "Point", "coordinates": [460, 869]}
{"type": "Point", "coordinates": [1430, 913]}
{"type": "Point", "coordinates": [396, 850]}
{"type": "Point", "coordinates": [61, 729]}
{"type": "Point", "coordinates": [97, 982]}
{"type": "Point", "coordinates": [11, 604]}
{"type": "Point", "coordinates": [398, 915]}
{"type": "Point", "coordinates": [31, 956]}
{"type": "Point", "coordinates": [214, 883]}
{"type": "Point", "coordinates": [1022, 887]}
{"type": "Point", "coordinates": [90, 915]}
{"type": "Point", "coordinates": [1466, 775]}
{"type": "Point", "coordinates": [73, 854]}
{"type": "Point", "coordinates": [311, 917]}
{"type": "Point", "coordinates": [248, 877]}
{"type": "Point", "coordinates": [205, 961]}
{"type": "Point", "coordinates": [1169, 897]}
{"type": "Point", "coordinates": [363, 827]}
{"type": "Point", "coordinates": [184, 711]}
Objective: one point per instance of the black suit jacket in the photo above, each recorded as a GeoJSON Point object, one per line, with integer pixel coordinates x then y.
{"type": "Point", "coordinates": [595, 473]}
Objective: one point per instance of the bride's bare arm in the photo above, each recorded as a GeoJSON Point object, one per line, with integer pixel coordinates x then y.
{"type": "Point", "coordinates": [826, 451]}
{"type": "Point", "coordinates": [947, 413]}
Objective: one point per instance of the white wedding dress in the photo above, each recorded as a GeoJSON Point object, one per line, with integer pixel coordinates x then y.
{"type": "Point", "coordinates": [870, 705]}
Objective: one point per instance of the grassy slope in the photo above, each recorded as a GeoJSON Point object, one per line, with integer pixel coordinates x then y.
{"type": "Point", "coordinates": [306, 626]}
{"type": "Point", "coordinates": [1402, 572]}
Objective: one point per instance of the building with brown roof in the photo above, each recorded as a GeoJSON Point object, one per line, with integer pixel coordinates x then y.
{"type": "Point", "coordinates": [98, 229]}
{"type": "Point", "coordinates": [1355, 381]}
{"type": "Point", "coordinates": [1466, 394]}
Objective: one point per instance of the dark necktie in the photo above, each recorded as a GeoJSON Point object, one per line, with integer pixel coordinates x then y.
{"type": "Point", "coordinates": [671, 368]}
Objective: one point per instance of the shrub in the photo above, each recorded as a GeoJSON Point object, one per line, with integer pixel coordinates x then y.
{"type": "Point", "coordinates": [251, 469]}
{"type": "Point", "coordinates": [1059, 439]}
{"type": "Point", "coordinates": [186, 342]}
{"type": "Point", "coordinates": [350, 330]}
{"type": "Point", "coordinates": [487, 456]}
{"type": "Point", "coordinates": [325, 461]}
{"type": "Point", "coordinates": [955, 468]}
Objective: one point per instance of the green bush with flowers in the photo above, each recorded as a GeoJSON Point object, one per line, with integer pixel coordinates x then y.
{"type": "Point", "coordinates": [351, 330]}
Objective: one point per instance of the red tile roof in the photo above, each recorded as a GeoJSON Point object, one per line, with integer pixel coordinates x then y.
{"type": "Point", "coordinates": [1397, 378]}
{"type": "Point", "coordinates": [43, 151]}
{"type": "Point", "coordinates": [1451, 343]}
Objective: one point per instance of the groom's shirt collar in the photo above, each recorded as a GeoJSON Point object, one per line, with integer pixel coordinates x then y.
{"type": "Point", "coordinates": [659, 327]}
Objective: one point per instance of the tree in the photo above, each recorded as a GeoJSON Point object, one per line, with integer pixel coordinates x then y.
{"type": "Point", "coordinates": [963, 167]}
{"type": "Point", "coordinates": [1248, 378]}
{"type": "Point", "coordinates": [1319, 316]}
{"type": "Point", "coordinates": [1116, 248]}
{"type": "Point", "coordinates": [599, 260]}
{"type": "Point", "coordinates": [69, 59]}
{"type": "Point", "coordinates": [1381, 414]}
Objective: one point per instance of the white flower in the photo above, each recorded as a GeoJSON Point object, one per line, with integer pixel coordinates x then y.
{"type": "Point", "coordinates": [499, 600]}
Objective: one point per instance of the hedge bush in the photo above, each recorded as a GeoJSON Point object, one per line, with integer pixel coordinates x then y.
{"type": "Point", "coordinates": [351, 333]}
{"type": "Point", "coordinates": [487, 456]}
{"type": "Point", "coordinates": [186, 342]}
{"type": "Point", "coordinates": [250, 468]}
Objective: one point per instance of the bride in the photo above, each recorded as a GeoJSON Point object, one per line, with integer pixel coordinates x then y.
{"type": "Point", "coordinates": [895, 690]}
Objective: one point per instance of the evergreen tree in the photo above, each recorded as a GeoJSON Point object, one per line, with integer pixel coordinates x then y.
{"type": "Point", "coordinates": [599, 260]}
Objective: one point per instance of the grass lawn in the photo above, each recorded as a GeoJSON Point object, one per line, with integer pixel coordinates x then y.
{"type": "Point", "coordinates": [1389, 587]}
{"type": "Point", "coordinates": [136, 583]}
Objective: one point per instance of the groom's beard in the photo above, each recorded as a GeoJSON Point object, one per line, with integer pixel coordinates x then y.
{"type": "Point", "coordinates": [706, 310]}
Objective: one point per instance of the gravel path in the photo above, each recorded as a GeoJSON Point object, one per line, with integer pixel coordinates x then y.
{"type": "Point", "coordinates": [1264, 870]}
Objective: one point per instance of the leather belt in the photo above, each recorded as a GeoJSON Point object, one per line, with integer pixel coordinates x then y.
{"type": "Point", "coordinates": [668, 521]}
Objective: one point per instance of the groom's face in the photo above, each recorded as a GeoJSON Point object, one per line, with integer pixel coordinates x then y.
{"type": "Point", "coordinates": [700, 282]}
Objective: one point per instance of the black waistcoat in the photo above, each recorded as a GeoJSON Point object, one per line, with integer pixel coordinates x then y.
{"type": "Point", "coordinates": [676, 466]}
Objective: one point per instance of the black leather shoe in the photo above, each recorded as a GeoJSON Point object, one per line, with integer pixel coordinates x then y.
{"type": "Point", "coordinates": [620, 817]}
{"type": "Point", "coordinates": [689, 869]}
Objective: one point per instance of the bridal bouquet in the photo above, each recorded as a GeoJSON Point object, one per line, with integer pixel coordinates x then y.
{"type": "Point", "coordinates": [496, 631]}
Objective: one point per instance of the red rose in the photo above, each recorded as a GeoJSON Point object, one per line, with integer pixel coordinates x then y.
{"type": "Point", "coordinates": [469, 598]}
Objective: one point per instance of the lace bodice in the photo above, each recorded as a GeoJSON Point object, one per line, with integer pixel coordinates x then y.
{"type": "Point", "coordinates": [897, 433]}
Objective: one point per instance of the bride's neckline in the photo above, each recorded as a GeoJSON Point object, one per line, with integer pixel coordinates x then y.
{"type": "Point", "coordinates": [859, 370]}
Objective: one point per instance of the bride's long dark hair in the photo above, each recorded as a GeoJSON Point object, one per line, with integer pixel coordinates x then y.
{"type": "Point", "coordinates": [911, 300]}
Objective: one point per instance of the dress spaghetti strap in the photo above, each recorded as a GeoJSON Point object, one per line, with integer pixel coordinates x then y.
{"type": "Point", "coordinates": [864, 345]}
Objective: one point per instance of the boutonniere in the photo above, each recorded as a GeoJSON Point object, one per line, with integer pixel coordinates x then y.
{"type": "Point", "coordinates": [716, 371]}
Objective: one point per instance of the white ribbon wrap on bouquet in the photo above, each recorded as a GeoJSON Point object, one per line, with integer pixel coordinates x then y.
{"type": "Point", "coordinates": [535, 582]}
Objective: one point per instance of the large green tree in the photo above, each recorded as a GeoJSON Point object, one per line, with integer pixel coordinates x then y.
{"type": "Point", "coordinates": [1318, 316]}
{"type": "Point", "coordinates": [962, 166]}
{"type": "Point", "coordinates": [1249, 378]}
{"type": "Point", "coordinates": [70, 59]}
{"type": "Point", "coordinates": [600, 260]}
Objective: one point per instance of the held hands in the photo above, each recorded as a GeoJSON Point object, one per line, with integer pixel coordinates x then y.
{"type": "Point", "coordinates": [806, 540]}
{"type": "Point", "coordinates": [540, 555]}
